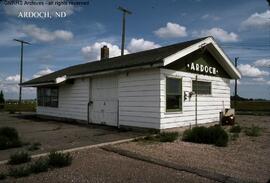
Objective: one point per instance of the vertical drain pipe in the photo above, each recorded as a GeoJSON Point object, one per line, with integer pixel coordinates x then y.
{"type": "Point", "coordinates": [90, 102]}
{"type": "Point", "coordinates": [196, 102]}
{"type": "Point", "coordinates": [118, 124]}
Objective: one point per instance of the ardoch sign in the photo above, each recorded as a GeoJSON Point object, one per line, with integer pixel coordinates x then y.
{"type": "Point", "coordinates": [202, 68]}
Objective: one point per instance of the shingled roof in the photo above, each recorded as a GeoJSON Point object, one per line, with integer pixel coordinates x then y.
{"type": "Point", "coordinates": [126, 61]}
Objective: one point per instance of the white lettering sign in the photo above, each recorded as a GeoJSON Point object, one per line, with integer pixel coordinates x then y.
{"type": "Point", "coordinates": [202, 68]}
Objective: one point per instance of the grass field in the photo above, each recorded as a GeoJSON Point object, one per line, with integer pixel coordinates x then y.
{"type": "Point", "coordinates": [25, 107]}
{"type": "Point", "coordinates": [255, 107]}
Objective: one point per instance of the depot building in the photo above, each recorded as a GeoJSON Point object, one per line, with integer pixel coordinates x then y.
{"type": "Point", "coordinates": [172, 86]}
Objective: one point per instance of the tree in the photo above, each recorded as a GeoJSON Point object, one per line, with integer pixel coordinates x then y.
{"type": "Point", "coordinates": [2, 99]}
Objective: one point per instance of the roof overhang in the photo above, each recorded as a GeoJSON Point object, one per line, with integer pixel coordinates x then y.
{"type": "Point", "coordinates": [63, 79]}
{"type": "Point", "coordinates": [211, 45]}
{"type": "Point", "coordinates": [39, 84]}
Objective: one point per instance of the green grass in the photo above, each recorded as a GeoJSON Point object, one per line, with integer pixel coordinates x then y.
{"type": "Point", "coordinates": [253, 131]}
{"type": "Point", "coordinates": [19, 158]}
{"type": "Point", "coordinates": [235, 129]}
{"type": "Point", "coordinates": [252, 106]}
{"type": "Point", "coordinates": [25, 107]}
{"type": "Point", "coordinates": [234, 136]}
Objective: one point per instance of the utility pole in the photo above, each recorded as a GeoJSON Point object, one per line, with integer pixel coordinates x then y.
{"type": "Point", "coordinates": [125, 11]}
{"type": "Point", "coordinates": [235, 84]}
{"type": "Point", "coordinates": [21, 68]}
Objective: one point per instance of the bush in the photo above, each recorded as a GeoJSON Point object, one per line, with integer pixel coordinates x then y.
{"type": "Point", "coordinates": [10, 133]}
{"type": "Point", "coordinates": [235, 129]}
{"type": "Point", "coordinates": [34, 146]}
{"type": "Point", "coordinates": [150, 138]}
{"type": "Point", "coordinates": [9, 138]}
{"type": "Point", "coordinates": [161, 137]}
{"type": "Point", "coordinates": [3, 176]}
{"type": "Point", "coordinates": [58, 159]}
{"type": "Point", "coordinates": [234, 136]}
{"type": "Point", "coordinates": [21, 171]}
{"type": "Point", "coordinates": [19, 158]}
{"type": "Point", "coordinates": [253, 131]}
{"type": "Point", "coordinates": [211, 135]}
{"type": "Point", "coordinates": [41, 165]}
{"type": "Point", "coordinates": [168, 136]}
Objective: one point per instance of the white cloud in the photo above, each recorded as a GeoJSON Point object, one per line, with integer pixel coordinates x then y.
{"type": "Point", "coordinates": [172, 30]}
{"type": "Point", "coordinates": [8, 32]}
{"type": "Point", "coordinates": [257, 20]}
{"type": "Point", "coordinates": [233, 82]}
{"type": "Point", "coordinates": [258, 79]}
{"type": "Point", "coordinates": [15, 78]}
{"type": "Point", "coordinates": [92, 52]}
{"type": "Point", "coordinates": [250, 71]}
{"type": "Point", "coordinates": [211, 17]}
{"type": "Point", "coordinates": [263, 62]}
{"type": "Point", "coordinates": [42, 72]}
{"type": "Point", "coordinates": [45, 35]}
{"type": "Point", "coordinates": [219, 34]}
{"type": "Point", "coordinates": [14, 10]}
{"type": "Point", "coordinates": [10, 87]}
{"type": "Point", "coordinates": [137, 45]}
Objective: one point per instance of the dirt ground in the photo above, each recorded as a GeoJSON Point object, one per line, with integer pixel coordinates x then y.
{"type": "Point", "coordinates": [54, 135]}
{"type": "Point", "coordinates": [246, 158]}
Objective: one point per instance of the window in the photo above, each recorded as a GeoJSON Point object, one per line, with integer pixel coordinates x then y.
{"type": "Point", "coordinates": [202, 87]}
{"type": "Point", "coordinates": [47, 97]}
{"type": "Point", "coordinates": [173, 94]}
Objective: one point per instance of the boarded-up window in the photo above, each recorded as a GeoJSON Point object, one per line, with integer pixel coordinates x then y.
{"type": "Point", "coordinates": [201, 87]}
{"type": "Point", "coordinates": [173, 94]}
{"type": "Point", "coordinates": [47, 97]}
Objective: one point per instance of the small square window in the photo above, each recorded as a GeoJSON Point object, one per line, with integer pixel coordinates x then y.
{"type": "Point", "coordinates": [47, 97]}
{"type": "Point", "coordinates": [201, 87]}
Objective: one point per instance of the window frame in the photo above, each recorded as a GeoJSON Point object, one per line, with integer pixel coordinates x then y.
{"type": "Point", "coordinates": [180, 95]}
{"type": "Point", "coordinates": [48, 100]}
{"type": "Point", "coordinates": [205, 94]}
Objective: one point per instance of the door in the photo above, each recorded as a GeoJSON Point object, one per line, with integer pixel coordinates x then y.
{"type": "Point", "coordinates": [104, 97]}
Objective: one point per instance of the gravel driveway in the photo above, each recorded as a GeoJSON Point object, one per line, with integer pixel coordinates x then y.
{"type": "Point", "coordinates": [100, 166]}
{"type": "Point", "coordinates": [247, 158]}
{"type": "Point", "coordinates": [55, 135]}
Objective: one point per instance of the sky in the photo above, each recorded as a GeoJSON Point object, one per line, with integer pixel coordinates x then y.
{"type": "Point", "coordinates": [242, 29]}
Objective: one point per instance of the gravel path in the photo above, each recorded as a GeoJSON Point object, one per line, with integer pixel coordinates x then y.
{"type": "Point", "coordinates": [96, 165]}
{"type": "Point", "coordinates": [247, 158]}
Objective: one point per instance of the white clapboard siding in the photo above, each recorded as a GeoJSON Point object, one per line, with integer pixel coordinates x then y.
{"type": "Point", "coordinates": [139, 98]}
{"type": "Point", "coordinates": [209, 106]}
{"type": "Point", "coordinates": [73, 100]}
